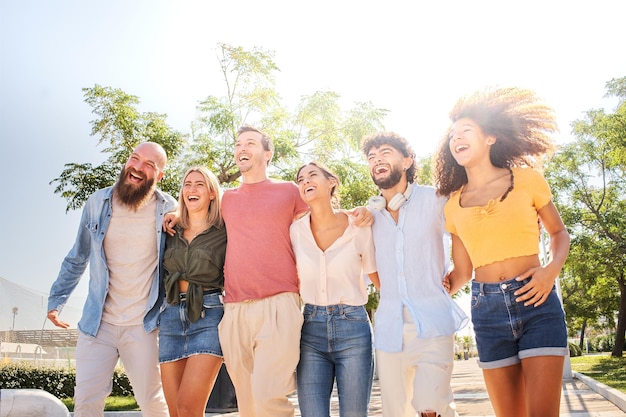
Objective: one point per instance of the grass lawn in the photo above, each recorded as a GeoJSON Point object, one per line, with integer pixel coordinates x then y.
{"type": "Point", "coordinates": [603, 368]}
{"type": "Point", "coordinates": [111, 404]}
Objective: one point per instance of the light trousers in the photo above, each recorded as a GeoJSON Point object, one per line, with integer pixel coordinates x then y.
{"type": "Point", "coordinates": [261, 345]}
{"type": "Point", "coordinates": [418, 378]}
{"type": "Point", "coordinates": [96, 358]}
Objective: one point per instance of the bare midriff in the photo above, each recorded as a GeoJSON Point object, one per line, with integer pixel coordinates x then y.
{"type": "Point", "coordinates": [506, 269]}
{"type": "Point", "coordinates": [183, 285]}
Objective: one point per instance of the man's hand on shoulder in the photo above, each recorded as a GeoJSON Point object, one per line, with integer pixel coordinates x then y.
{"type": "Point", "coordinates": [169, 221]}
{"type": "Point", "coordinates": [362, 216]}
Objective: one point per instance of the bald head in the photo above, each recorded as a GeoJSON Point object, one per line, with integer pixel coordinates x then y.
{"type": "Point", "coordinates": [154, 152]}
{"type": "Point", "coordinates": [138, 178]}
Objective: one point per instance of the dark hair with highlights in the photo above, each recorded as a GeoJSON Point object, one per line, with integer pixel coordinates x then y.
{"type": "Point", "coordinates": [520, 122]}
{"type": "Point", "coordinates": [329, 174]}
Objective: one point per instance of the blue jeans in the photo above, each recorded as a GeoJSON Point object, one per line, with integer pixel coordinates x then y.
{"type": "Point", "coordinates": [336, 342]}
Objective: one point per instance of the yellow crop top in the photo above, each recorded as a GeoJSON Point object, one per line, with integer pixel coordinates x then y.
{"type": "Point", "coordinates": [501, 229]}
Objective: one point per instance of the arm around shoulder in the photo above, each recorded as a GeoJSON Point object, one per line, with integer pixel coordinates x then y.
{"type": "Point", "coordinates": [361, 215]}
{"type": "Point", "coordinates": [461, 273]}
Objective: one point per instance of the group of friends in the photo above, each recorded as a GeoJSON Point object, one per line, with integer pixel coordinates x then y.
{"type": "Point", "coordinates": [271, 277]}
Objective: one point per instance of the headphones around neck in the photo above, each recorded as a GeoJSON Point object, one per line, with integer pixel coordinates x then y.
{"type": "Point", "coordinates": [378, 202]}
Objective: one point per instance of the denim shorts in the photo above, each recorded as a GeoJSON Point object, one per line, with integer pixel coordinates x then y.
{"type": "Point", "coordinates": [179, 338]}
{"type": "Point", "coordinates": [507, 331]}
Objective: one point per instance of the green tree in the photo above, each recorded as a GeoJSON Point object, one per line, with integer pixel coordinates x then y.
{"type": "Point", "coordinates": [318, 129]}
{"type": "Point", "coordinates": [121, 127]}
{"type": "Point", "coordinates": [589, 292]}
{"type": "Point", "coordinates": [249, 97]}
{"type": "Point", "coordinates": [588, 175]}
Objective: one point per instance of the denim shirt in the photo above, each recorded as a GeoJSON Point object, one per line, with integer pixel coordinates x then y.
{"type": "Point", "coordinates": [89, 249]}
{"type": "Point", "coordinates": [412, 258]}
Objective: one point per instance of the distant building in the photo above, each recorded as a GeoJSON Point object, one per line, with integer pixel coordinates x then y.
{"type": "Point", "coordinates": [34, 345]}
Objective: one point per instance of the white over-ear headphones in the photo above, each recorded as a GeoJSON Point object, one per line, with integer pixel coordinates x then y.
{"type": "Point", "coordinates": [378, 202]}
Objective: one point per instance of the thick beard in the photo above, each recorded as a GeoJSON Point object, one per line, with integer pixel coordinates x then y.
{"type": "Point", "coordinates": [130, 195]}
{"type": "Point", "coordinates": [390, 181]}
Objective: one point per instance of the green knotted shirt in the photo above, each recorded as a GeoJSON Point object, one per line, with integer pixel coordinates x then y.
{"type": "Point", "coordinates": [200, 262]}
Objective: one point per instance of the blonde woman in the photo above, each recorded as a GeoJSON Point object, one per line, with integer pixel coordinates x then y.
{"type": "Point", "coordinates": [189, 349]}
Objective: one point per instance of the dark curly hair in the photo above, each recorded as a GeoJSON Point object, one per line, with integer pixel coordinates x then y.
{"type": "Point", "coordinates": [376, 140]}
{"type": "Point", "coordinates": [520, 122]}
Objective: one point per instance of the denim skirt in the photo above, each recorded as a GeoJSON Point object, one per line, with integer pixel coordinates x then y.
{"type": "Point", "coordinates": [179, 338]}
{"type": "Point", "coordinates": [507, 331]}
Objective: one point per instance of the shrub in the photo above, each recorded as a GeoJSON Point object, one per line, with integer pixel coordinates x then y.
{"type": "Point", "coordinates": [121, 384]}
{"type": "Point", "coordinates": [59, 382]}
{"type": "Point", "coordinates": [604, 343]}
{"type": "Point", "coordinates": [574, 350]}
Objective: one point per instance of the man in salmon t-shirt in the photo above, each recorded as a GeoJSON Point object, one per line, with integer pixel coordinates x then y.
{"type": "Point", "coordinates": [260, 331]}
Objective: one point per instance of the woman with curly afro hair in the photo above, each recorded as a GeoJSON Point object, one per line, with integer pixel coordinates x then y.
{"type": "Point", "coordinates": [498, 201]}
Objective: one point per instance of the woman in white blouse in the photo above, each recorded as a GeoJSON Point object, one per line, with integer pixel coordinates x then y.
{"type": "Point", "coordinates": [332, 257]}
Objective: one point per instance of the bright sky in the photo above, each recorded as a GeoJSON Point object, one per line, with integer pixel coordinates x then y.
{"type": "Point", "coordinates": [412, 58]}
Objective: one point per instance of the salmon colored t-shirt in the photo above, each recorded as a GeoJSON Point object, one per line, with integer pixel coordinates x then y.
{"type": "Point", "coordinates": [259, 259]}
{"type": "Point", "coordinates": [501, 229]}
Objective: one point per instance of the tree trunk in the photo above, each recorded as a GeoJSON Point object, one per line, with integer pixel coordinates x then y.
{"type": "Point", "coordinates": [621, 320]}
{"type": "Point", "coordinates": [581, 344]}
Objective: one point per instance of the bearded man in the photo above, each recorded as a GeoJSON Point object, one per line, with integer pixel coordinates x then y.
{"type": "Point", "coordinates": [416, 319]}
{"type": "Point", "coordinates": [120, 238]}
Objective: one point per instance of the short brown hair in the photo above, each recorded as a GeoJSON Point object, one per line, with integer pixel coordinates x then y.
{"type": "Point", "coordinates": [268, 144]}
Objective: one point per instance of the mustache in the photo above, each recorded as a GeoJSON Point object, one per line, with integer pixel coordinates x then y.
{"type": "Point", "coordinates": [132, 195]}
{"type": "Point", "coordinates": [390, 181]}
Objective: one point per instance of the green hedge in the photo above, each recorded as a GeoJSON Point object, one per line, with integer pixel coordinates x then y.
{"type": "Point", "coordinates": [59, 382]}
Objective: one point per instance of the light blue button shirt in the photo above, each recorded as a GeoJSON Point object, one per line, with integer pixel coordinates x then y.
{"type": "Point", "coordinates": [412, 258]}
{"type": "Point", "coordinates": [88, 249]}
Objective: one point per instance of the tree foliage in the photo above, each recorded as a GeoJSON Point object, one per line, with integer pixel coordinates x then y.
{"type": "Point", "coordinates": [588, 176]}
{"type": "Point", "coordinates": [317, 129]}
{"type": "Point", "coordinates": [120, 127]}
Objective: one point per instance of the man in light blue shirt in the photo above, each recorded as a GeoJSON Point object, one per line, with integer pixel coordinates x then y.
{"type": "Point", "coordinates": [416, 319]}
{"type": "Point", "coordinates": [120, 238]}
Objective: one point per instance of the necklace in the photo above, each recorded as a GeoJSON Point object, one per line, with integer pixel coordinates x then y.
{"type": "Point", "coordinates": [195, 230]}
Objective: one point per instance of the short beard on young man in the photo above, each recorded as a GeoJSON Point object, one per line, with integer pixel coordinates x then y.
{"type": "Point", "coordinates": [391, 181]}
{"type": "Point", "coordinates": [131, 195]}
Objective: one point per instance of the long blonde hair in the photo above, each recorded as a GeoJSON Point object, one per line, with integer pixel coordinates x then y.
{"type": "Point", "coordinates": [214, 213]}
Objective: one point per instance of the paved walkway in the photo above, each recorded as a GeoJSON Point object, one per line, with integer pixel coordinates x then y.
{"type": "Point", "coordinates": [580, 397]}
